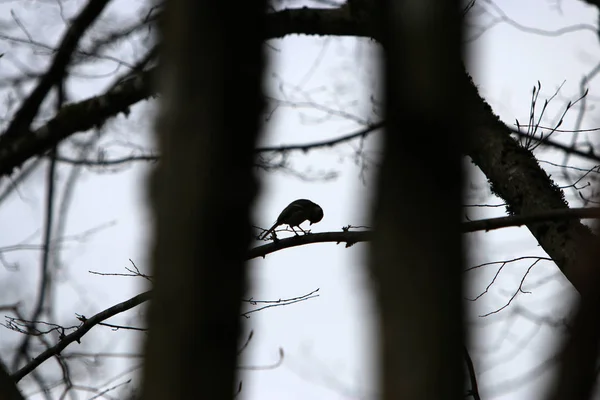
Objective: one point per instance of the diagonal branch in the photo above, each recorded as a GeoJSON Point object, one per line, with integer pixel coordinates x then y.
{"type": "Point", "coordinates": [78, 334]}
{"type": "Point", "coordinates": [516, 176]}
{"type": "Point", "coordinates": [73, 118]}
{"type": "Point", "coordinates": [23, 117]}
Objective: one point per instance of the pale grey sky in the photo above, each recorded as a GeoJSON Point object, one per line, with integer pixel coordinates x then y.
{"type": "Point", "coordinates": [327, 340]}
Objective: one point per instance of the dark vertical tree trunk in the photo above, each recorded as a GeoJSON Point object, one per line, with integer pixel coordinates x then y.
{"type": "Point", "coordinates": [8, 386]}
{"type": "Point", "coordinates": [201, 194]}
{"type": "Point", "coordinates": [416, 256]}
{"type": "Point", "coordinates": [578, 372]}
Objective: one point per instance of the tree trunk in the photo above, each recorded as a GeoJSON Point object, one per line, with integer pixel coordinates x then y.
{"type": "Point", "coordinates": [416, 255]}
{"type": "Point", "coordinates": [201, 194]}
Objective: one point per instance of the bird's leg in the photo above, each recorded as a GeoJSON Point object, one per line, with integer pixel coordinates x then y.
{"type": "Point", "coordinates": [293, 230]}
{"type": "Point", "coordinates": [303, 231]}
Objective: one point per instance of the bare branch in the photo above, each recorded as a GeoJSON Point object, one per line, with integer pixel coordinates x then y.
{"type": "Point", "coordinates": [542, 216]}
{"type": "Point", "coordinates": [326, 143]}
{"type": "Point", "coordinates": [588, 155]}
{"type": "Point", "coordinates": [474, 391]}
{"type": "Point", "coordinates": [73, 118]}
{"type": "Point", "coordinates": [78, 334]}
{"type": "Point", "coordinates": [22, 119]}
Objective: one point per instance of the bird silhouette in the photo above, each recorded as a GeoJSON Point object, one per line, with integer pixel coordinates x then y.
{"type": "Point", "coordinates": [296, 213]}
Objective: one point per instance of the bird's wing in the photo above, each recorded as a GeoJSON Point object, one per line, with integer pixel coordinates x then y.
{"type": "Point", "coordinates": [290, 211]}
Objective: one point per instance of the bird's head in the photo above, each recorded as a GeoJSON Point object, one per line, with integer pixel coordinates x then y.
{"type": "Point", "coordinates": [316, 214]}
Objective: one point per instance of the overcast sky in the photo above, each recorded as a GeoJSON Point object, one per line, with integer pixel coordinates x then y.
{"type": "Point", "coordinates": [327, 340]}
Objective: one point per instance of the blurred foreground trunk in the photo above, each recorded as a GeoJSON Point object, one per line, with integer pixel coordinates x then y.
{"type": "Point", "coordinates": [201, 194]}
{"type": "Point", "coordinates": [578, 370]}
{"type": "Point", "coordinates": [8, 387]}
{"type": "Point", "coordinates": [416, 256]}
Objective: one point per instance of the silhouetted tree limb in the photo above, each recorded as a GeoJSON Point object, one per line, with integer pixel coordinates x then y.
{"type": "Point", "coordinates": [474, 391]}
{"type": "Point", "coordinates": [555, 216]}
{"type": "Point", "coordinates": [588, 155]}
{"type": "Point", "coordinates": [22, 119]}
{"type": "Point", "coordinates": [76, 336]}
{"type": "Point", "coordinates": [325, 143]}
{"type": "Point", "coordinates": [516, 177]}
{"type": "Point", "coordinates": [73, 118]}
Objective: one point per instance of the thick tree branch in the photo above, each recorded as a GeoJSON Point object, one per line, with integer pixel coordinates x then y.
{"type": "Point", "coordinates": [549, 216]}
{"type": "Point", "coordinates": [315, 21]}
{"type": "Point", "coordinates": [73, 118]}
{"type": "Point", "coordinates": [516, 177]}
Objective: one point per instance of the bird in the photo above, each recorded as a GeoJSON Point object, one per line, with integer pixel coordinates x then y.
{"type": "Point", "coordinates": [296, 213]}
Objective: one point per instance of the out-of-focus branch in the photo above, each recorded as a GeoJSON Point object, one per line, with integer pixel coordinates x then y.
{"type": "Point", "coordinates": [73, 118]}
{"type": "Point", "coordinates": [325, 143]}
{"type": "Point", "coordinates": [23, 117]}
{"type": "Point", "coordinates": [94, 112]}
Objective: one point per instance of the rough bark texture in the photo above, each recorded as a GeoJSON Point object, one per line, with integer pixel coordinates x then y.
{"type": "Point", "coordinates": [201, 195]}
{"type": "Point", "coordinates": [416, 254]}
{"type": "Point", "coordinates": [515, 175]}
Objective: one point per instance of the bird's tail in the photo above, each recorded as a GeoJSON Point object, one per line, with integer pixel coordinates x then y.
{"type": "Point", "coordinates": [267, 233]}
